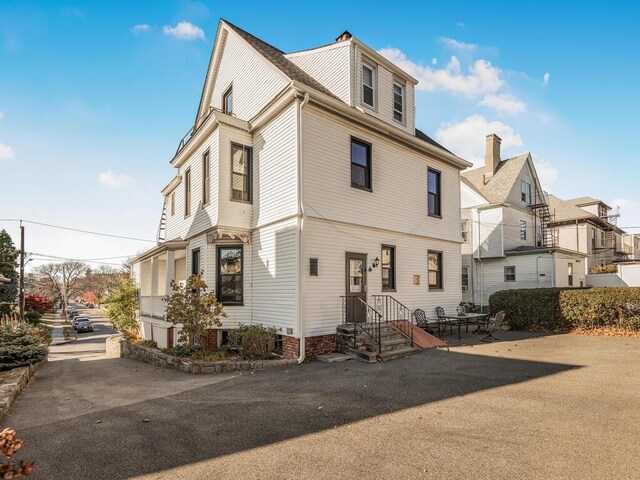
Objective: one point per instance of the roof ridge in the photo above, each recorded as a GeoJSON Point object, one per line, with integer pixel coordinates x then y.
{"type": "Point", "coordinates": [251, 35]}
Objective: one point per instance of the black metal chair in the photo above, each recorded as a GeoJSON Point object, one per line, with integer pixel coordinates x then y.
{"type": "Point", "coordinates": [425, 323]}
{"type": "Point", "coordinates": [494, 324]}
{"type": "Point", "coordinates": [443, 320]}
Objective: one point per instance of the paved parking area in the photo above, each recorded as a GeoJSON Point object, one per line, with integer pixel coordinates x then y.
{"type": "Point", "coordinates": [561, 406]}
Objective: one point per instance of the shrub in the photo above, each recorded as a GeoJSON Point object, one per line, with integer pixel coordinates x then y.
{"type": "Point", "coordinates": [122, 305]}
{"type": "Point", "coordinates": [19, 346]}
{"type": "Point", "coordinates": [147, 343]}
{"type": "Point", "coordinates": [253, 341]}
{"type": "Point", "coordinates": [37, 303]}
{"type": "Point", "coordinates": [565, 308]}
{"type": "Point", "coordinates": [609, 268]}
{"type": "Point", "coordinates": [33, 317]}
{"type": "Point", "coordinates": [181, 350]}
{"type": "Point", "coordinates": [213, 355]}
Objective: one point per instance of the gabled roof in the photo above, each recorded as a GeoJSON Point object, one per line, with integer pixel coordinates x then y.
{"type": "Point", "coordinates": [423, 136]}
{"type": "Point", "coordinates": [584, 201]}
{"type": "Point", "coordinates": [277, 58]}
{"type": "Point", "coordinates": [565, 210]}
{"type": "Point", "coordinates": [500, 185]}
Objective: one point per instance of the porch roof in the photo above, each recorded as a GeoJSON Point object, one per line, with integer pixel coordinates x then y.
{"type": "Point", "coordinates": [175, 244]}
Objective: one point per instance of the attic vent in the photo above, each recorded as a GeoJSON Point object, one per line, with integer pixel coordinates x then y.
{"type": "Point", "coordinates": [344, 36]}
{"type": "Point", "coordinates": [313, 267]}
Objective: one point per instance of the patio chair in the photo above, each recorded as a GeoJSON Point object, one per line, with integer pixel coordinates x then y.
{"type": "Point", "coordinates": [494, 324]}
{"type": "Point", "coordinates": [425, 323]}
{"type": "Point", "coordinates": [443, 320]}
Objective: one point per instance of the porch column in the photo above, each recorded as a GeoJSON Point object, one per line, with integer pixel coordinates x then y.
{"type": "Point", "coordinates": [154, 276]}
{"type": "Point", "coordinates": [171, 271]}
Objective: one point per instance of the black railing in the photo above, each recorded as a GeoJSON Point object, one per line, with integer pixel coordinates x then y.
{"type": "Point", "coordinates": [395, 314]}
{"type": "Point", "coordinates": [192, 131]}
{"type": "Point", "coordinates": [364, 318]}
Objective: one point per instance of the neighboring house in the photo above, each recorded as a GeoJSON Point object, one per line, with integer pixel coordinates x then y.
{"type": "Point", "coordinates": [304, 186]}
{"type": "Point", "coordinates": [587, 225]}
{"type": "Point", "coordinates": [631, 245]}
{"type": "Point", "coordinates": [505, 230]}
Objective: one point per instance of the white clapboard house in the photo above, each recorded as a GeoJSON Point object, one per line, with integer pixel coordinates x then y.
{"type": "Point", "coordinates": [508, 230]}
{"type": "Point", "coordinates": [306, 195]}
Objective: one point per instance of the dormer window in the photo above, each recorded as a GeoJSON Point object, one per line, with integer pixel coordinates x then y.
{"type": "Point", "coordinates": [227, 100]}
{"type": "Point", "coordinates": [398, 102]}
{"type": "Point", "coordinates": [368, 85]}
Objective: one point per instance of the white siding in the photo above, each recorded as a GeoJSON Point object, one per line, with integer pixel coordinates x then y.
{"type": "Point", "coordinates": [275, 276]}
{"type": "Point", "coordinates": [331, 66]}
{"type": "Point", "coordinates": [384, 95]}
{"type": "Point", "coordinates": [470, 198]}
{"type": "Point", "coordinates": [489, 226]}
{"type": "Point", "coordinates": [201, 218]}
{"type": "Point", "coordinates": [255, 81]}
{"type": "Point", "coordinates": [562, 270]}
{"type": "Point", "coordinates": [330, 243]}
{"type": "Point", "coordinates": [511, 221]}
{"type": "Point", "coordinates": [399, 198]}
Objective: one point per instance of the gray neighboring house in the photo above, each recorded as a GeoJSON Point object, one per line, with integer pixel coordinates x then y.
{"type": "Point", "coordinates": [507, 237]}
{"type": "Point", "coordinates": [587, 225]}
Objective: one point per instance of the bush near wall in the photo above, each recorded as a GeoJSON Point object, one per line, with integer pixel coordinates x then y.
{"type": "Point", "coordinates": [609, 268]}
{"type": "Point", "coordinates": [563, 309]}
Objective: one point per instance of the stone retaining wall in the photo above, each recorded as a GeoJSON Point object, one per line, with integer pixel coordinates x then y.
{"type": "Point", "coordinates": [116, 346]}
{"type": "Point", "coordinates": [12, 384]}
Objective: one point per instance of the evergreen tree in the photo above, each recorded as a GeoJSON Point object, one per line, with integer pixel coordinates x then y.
{"type": "Point", "coordinates": [9, 269]}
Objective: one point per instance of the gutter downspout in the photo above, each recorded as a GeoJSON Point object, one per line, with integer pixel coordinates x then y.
{"type": "Point", "coordinates": [300, 249]}
{"type": "Point", "coordinates": [481, 262]}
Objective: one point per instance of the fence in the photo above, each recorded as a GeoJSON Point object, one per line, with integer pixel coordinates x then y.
{"type": "Point", "coordinates": [11, 319]}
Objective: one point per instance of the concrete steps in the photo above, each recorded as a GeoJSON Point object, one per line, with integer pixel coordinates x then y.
{"type": "Point", "coordinates": [360, 346]}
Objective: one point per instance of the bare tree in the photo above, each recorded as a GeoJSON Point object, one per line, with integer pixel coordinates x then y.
{"type": "Point", "coordinates": [61, 280]}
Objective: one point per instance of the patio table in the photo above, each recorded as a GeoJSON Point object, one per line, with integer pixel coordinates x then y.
{"type": "Point", "coordinates": [468, 318]}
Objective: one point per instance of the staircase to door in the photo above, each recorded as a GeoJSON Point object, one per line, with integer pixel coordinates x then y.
{"type": "Point", "coordinates": [385, 332]}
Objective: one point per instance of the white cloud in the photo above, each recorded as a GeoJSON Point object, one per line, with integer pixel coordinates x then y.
{"type": "Point", "coordinates": [434, 61]}
{"type": "Point", "coordinates": [503, 103]}
{"type": "Point", "coordinates": [468, 138]}
{"type": "Point", "coordinates": [545, 78]}
{"type": "Point", "coordinates": [458, 45]}
{"type": "Point", "coordinates": [482, 77]}
{"type": "Point", "coordinates": [114, 180]}
{"type": "Point", "coordinates": [460, 24]}
{"type": "Point", "coordinates": [6, 152]}
{"type": "Point", "coordinates": [547, 173]}
{"type": "Point", "coordinates": [140, 28]}
{"type": "Point", "coordinates": [184, 31]}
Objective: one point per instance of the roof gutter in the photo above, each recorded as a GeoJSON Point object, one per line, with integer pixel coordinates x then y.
{"type": "Point", "coordinates": [379, 126]}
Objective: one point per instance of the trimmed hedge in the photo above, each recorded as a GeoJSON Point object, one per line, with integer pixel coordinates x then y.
{"type": "Point", "coordinates": [566, 308]}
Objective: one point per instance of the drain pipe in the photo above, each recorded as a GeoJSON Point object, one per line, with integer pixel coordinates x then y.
{"type": "Point", "coordinates": [300, 249]}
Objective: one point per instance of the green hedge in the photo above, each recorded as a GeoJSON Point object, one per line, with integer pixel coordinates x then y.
{"type": "Point", "coordinates": [565, 308]}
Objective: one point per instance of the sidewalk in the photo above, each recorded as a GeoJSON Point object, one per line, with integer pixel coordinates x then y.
{"type": "Point", "coordinates": [57, 334]}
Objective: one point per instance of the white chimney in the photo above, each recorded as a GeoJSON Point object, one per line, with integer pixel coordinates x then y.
{"type": "Point", "coordinates": [491, 156]}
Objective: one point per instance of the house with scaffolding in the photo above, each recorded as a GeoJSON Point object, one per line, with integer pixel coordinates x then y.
{"type": "Point", "coordinates": [507, 230]}
{"type": "Point", "coordinates": [589, 225]}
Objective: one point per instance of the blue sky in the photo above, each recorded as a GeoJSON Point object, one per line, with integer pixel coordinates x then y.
{"type": "Point", "coordinates": [92, 109]}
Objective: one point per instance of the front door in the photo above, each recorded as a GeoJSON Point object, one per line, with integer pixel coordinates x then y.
{"type": "Point", "coordinates": [356, 269]}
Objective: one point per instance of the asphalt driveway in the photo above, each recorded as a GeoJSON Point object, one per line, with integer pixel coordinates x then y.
{"type": "Point", "coordinates": [534, 407]}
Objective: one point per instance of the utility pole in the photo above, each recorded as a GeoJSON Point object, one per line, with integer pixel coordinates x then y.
{"type": "Point", "coordinates": [21, 287]}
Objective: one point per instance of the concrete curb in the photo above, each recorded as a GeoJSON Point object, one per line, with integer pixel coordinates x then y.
{"type": "Point", "coordinates": [14, 383]}
{"type": "Point", "coordinates": [118, 347]}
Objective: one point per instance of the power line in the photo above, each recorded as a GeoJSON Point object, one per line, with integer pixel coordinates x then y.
{"type": "Point", "coordinates": [77, 230]}
{"type": "Point", "coordinates": [48, 258]}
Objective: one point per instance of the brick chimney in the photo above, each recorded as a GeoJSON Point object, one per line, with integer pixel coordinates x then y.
{"type": "Point", "coordinates": [491, 156]}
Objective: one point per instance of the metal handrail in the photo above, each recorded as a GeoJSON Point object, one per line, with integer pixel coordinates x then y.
{"type": "Point", "coordinates": [395, 313]}
{"type": "Point", "coordinates": [196, 127]}
{"type": "Point", "coordinates": [370, 327]}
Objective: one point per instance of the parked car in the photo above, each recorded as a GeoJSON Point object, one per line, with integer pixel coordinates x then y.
{"type": "Point", "coordinates": [84, 326]}
{"type": "Point", "coordinates": [90, 305]}
{"type": "Point", "coordinates": [78, 319]}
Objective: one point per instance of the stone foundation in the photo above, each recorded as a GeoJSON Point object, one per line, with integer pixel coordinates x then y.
{"type": "Point", "coordinates": [314, 346]}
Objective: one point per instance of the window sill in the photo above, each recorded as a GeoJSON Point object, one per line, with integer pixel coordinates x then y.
{"type": "Point", "coordinates": [389, 290]}
{"type": "Point", "coordinates": [433, 215]}
{"type": "Point", "coordinates": [436, 289]}
{"type": "Point", "coordinates": [366, 189]}
{"type": "Point", "coordinates": [248, 202]}
{"type": "Point", "coordinates": [233, 304]}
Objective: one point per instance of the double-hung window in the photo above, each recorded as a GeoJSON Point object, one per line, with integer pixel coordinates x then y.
{"type": "Point", "coordinates": [227, 101]}
{"type": "Point", "coordinates": [388, 267]}
{"type": "Point", "coordinates": [206, 179]}
{"type": "Point", "coordinates": [173, 203]}
{"type": "Point", "coordinates": [523, 230]}
{"type": "Point", "coordinates": [510, 274]}
{"type": "Point", "coordinates": [593, 239]}
{"type": "Point", "coordinates": [465, 279]}
{"type": "Point", "coordinates": [229, 287]}
{"type": "Point", "coordinates": [187, 193]}
{"type": "Point", "coordinates": [398, 102]}
{"type": "Point", "coordinates": [433, 189]}
{"type": "Point", "coordinates": [195, 261]}
{"type": "Point", "coordinates": [360, 164]}
{"type": "Point", "coordinates": [570, 273]}
{"type": "Point", "coordinates": [465, 230]}
{"type": "Point", "coordinates": [368, 85]}
{"type": "Point", "coordinates": [241, 171]}
{"type": "Point", "coordinates": [435, 270]}
{"type": "Point", "coordinates": [525, 192]}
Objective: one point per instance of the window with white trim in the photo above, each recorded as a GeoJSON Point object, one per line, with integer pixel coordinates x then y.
{"type": "Point", "coordinates": [465, 279]}
{"type": "Point", "coordinates": [464, 229]}
{"type": "Point", "coordinates": [368, 85]}
{"type": "Point", "coordinates": [398, 101]}
{"type": "Point", "coordinates": [510, 274]}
